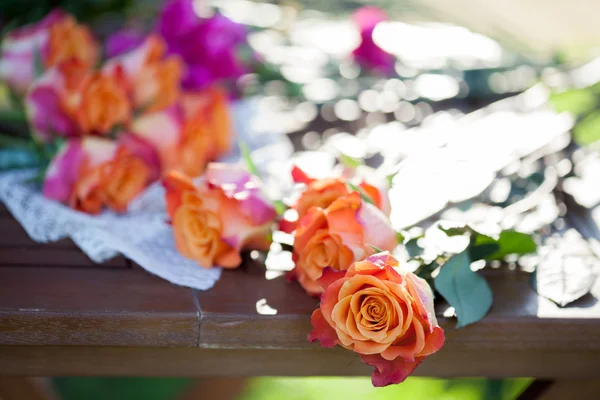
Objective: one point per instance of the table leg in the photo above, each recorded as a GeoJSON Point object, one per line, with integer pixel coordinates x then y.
{"type": "Point", "coordinates": [25, 388]}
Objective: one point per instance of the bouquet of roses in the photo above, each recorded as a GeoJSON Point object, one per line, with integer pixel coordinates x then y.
{"type": "Point", "coordinates": [103, 130]}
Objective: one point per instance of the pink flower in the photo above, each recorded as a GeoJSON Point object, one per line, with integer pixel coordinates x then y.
{"type": "Point", "coordinates": [221, 216]}
{"type": "Point", "coordinates": [368, 54]}
{"type": "Point", "coordinates": [210, 47]}
{"type": "Point", "coordinates": [122, 42]}
{"type": "Point", "coordinates": [91, 173]}
{"type": "Point", "coordinates": [384, 315]}
{"type": "Point", "coordinates": [52, 99]}
{"type": "Point", "coordinates": [55, 39]}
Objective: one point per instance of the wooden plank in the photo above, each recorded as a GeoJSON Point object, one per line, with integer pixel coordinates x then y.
{"type": "Point", "coordinates": [518, 320]}
{"type": "Point", "coordinates": [47, 256]}
{"type": "Point", "coordinates": [314, 361]}
{"type": "Point", "coordinates": [13, 235]}
{"type": "Point", "coordinates": [94, 307]}
{"type": "Point", "coordinates": [18, 249]}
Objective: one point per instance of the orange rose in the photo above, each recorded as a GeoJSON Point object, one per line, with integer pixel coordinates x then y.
{"type": "Point", "coordinates": [152, 79]}
{"type": "Point", "coordinates": [211, 106]}
{"type": "Point", "coordinates": [320, 193]}
{"type": "Point", "coordinates": [71, 41]}
{"type": "Point", "coordinates": [336, 236]}
{"type": "Point", "coordinates": [385, 316]}
{"type": "Point", "coordinates": [225, 214]}
{"type": "Point", "coordinates": [104, 105]}
{"type": "Point", "coordinates": [196, 148]}
{"type": "Point", "coordinates": [91, 173]}
{"type": "Point", "coordinates": [57, 38]}
{"type": "Point", "coordinates": [188, 138]}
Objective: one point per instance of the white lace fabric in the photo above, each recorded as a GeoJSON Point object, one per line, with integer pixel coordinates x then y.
{"type": "Point", "coordinates": [142, 234]}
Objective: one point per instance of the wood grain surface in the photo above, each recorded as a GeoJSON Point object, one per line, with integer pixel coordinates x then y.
{"type": "Point", "coordinates": [60, 314]}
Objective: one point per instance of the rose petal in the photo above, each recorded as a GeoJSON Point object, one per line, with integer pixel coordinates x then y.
{"type": "Point", "coordinates": [175, 184]}
{"type": "Point", "coordinates": [238, 184]}
{"type": "Point", "coordinates": [378, 230]}
{"type": "Point", "coordinates": [299, 176]}
{"type": "Point", "coordinates": [63, 171]}
{"type": "Point", "coordinates": [322, 331]}
{"type": "Point", "coordinates": [433, 342]}
{"type": "Point", "coordinates": [388, 372]}
{"type": "Point", "coordinates": [423, 298]}
{"type": "Point", "coordinates": [329, 276]}
{"type": "Point", "coordinates": [143, 149]}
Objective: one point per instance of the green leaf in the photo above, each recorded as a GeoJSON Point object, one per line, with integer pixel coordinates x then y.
{"type": "Point", "coordinates": [413, 249]}
{"type": "Point", "coordinates": [587, 131]}
{"type": "Point", "coordinates": [377, 249]}
{"type": "Point", "coordinates": [577, 101]}
{"type": "Point", "coordinates": [38, 63]}
{"type": "Point", "coordinates": [390, 178]}
{"type": "Point", "coordinates": [11, 115]}
{"type": "Point", "coordinates": [349, 162]}
{"type": "Point", "coordinates": [509, 242]}
{"type": "Point", "coordinates": [483, 251]}
{"type": "Point", "coordinates": [363, 195]}
{"type": "Point", "coordinates": [248, 159]}
{"type": "Point", "coordinates": [463, 289]}
{"type": "Point", "coordinates": [14, 142]}
{"type": "Point", "coordinates": [455, 231]}
{"type": "Point", "coordinates": [17, 159]}
{"type": "Point", "coordinates": [400, 237]}
{"type": "Point", "coordinates": [280, 207]}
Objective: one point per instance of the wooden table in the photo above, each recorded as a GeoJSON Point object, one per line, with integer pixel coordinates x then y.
{"type": "Point", "coordinates": [60, 314]}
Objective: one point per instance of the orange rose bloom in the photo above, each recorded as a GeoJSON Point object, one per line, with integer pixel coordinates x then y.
{"type": "Point", "coordinates": [337, 236]}
{"type": "Point", "coordinates": [196, 147]}
{"type": "Point", "coordinates": [104, 105]}
{"type": "Point", "coordinates": [385, 316]}
{"type": "Point", "coordinates": [110, 176]}
{"type": "Point", "coordinates": [223, 215]}
{"type": "Point", "coordinates": [69, 40]}
{"type": "Point", "coordinates": [123, 179]}
{"type": "Point", "coordinates": [320, 193]}
{"type": "Point", "coordinates": [151, 79]}
{"type": "Point", "coordinates": [157, 85]}
{"type": "Point", "coordinates": [197, 233]}
{"type": "Point", "coordinates": [211, 107]}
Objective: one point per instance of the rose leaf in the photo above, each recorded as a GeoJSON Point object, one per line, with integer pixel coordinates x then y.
{"type": "Point", "coordinates": [464, 289]}
{"type": "Point", "coordinates": [509, 242]}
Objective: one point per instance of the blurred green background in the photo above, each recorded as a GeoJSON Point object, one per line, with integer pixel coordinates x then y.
{"type": "Point", "coordinates": [324, 388]}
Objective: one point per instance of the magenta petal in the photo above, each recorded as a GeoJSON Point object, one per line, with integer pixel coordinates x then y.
{"type": "Point", "coordinates": [123, 41]}
{"type": "Point", "coordinates": [45, 110]}
{"type": "Point", "coordinates": [63, 171]}
{"type": "Point", "coordinates": [389, 372]}
{"type": "Point", "coordinates": [143, 149]}
{"type": "Point", "coordinates": [176, 18]}
{"type": "Point", "coordinates": [238, 184]}
{"type": "Point", "coordinates": [367, 17]}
